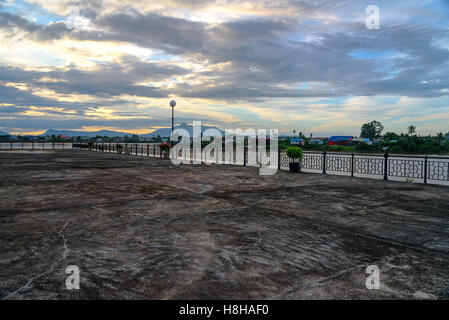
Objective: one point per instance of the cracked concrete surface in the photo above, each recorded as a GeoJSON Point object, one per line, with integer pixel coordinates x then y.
{"type": "Point", "coordinates": [141, 228]}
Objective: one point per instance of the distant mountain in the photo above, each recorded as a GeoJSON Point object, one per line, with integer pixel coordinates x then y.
{"type": "Point", "coordinates": [71, 133]}
{"type": "Point", "coordinates": [166, 132]}
{"type": "Point", "coordinates": [2, 133]}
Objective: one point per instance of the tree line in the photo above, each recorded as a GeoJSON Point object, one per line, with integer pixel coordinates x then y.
{"type": "Point", "coordinates": [408, 142]}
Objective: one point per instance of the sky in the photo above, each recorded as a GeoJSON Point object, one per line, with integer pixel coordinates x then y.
{"type": "Point", "coordinates": [306, 65]}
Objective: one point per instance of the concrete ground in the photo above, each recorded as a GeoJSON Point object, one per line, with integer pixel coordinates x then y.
{"type": "Point", "coordinates": [142, 228]}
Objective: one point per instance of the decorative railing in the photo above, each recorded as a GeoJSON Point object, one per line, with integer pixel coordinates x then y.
{"type": "Point", "coordinates": [14, 145]}
{"type": "Point", "coordinates": [423, 169]}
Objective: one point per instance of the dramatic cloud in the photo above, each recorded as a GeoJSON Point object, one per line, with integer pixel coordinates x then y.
{"type": "Point", "coordinates": [264, 63]}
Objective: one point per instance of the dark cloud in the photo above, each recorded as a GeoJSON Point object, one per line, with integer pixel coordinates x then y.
{"type": "Point", "coordinates": [108, 80]}
{"type": "Point", "coordinates": [298, 55]}
{"type": "Point", "coordinates": [38, 123]}
{"type": "Point", "coordinates": [264, 56]}
{"type": "Point", "coordinates": [11, 22]}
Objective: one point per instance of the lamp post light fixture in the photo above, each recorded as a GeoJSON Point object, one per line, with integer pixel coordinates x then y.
{"type": "Point", "coordinates": [172, 105]}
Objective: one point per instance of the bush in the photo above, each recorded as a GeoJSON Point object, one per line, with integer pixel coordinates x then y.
{"type": "Point", "coordinates": [294, 152]}
{"type": "Point", "coordinates": [412, 147]}
{"type": "Point", "coordinates": [396, 149]}
{"type": "Point", "coordinates": [336, 148]}
{"type": "Point", "coordinates": [363, 146]}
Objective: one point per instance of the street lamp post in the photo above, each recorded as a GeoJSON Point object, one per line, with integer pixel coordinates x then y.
{"type": "Point", "coordinates": [172, 105]}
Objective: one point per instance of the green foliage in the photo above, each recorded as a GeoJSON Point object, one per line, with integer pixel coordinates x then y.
{"type": "Point", "coordinates": [391, 136]}
{"type": "Point", "coordinates": [363, 146]}
{"type": "Point", "coordinates": [294, 152]}
{"type": "Point", "coordinates": [396, 149]}
{"type": "Point", "coordinates": [133, 139]}
{"type": "Point", "coordinates": [371, 130]}
{"type": "Point", "coordinates": [411, 129]}
{"type": "Point", "coordinates": [341, 148]}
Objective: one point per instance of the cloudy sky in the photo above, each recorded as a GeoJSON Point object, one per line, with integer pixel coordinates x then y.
{"type": "Point", "coordinates": [308, 65]}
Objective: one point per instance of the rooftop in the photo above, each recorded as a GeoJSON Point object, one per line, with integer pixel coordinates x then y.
{"type": "Point", "coordinates": [142, 228]}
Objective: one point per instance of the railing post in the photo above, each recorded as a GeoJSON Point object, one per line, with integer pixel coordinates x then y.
{"type": "Point", "coordinates": [279, 159]}
{"type": "Point", "coordinates": [160, 152]}
{"type": "Point", "coordinates": [11, 145]}
{"type": "Point", "coordinates": [53, 145]}
{"type": "Point", "coordinates": [352, 165]}
{"type": "Point", "coordinates": [324, 161]}
{"type": "Point", "coordinates": [425, 169]}
{"type": "Point", "coordinates": [245, 156]}
{"type": "Point", "coordinates": [154, 151]}
{"type": "Point", "coordinates": [148, 149]}
{"type": "Point", "coordinates": [386, 166]}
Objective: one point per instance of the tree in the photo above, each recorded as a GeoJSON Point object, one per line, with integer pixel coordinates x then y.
{"type": "Point", "coordinates": [391, 136]}
{"type": "Point", "coordinates": [411, 129]}
{"type": "Point", "coordinates": [371, 130]}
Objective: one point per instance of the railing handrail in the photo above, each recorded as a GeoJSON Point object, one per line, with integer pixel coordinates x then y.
{"type": "Point", "coordinates": [422, 167]}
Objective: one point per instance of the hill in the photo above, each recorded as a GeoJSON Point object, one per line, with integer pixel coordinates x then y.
{"type": "Point", "coordinates": [165, 132]}
{"type": "Point", "coordinates": [72, 133]}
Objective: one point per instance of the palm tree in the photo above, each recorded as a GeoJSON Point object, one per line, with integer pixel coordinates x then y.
{"type": "Point", "coordinates": [440, 137]}
{"type": "Point", "coordinates": [411, 129]}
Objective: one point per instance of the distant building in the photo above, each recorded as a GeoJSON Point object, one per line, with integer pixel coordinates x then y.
{"type": "Point", "coordinates": [317, 140]}
{"type": "Point", "coordinates": [340, 140]}
{"type": "Point", "coordinates": [296, 141]}
{"type": "Point", "coordinates": [360, 140]}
